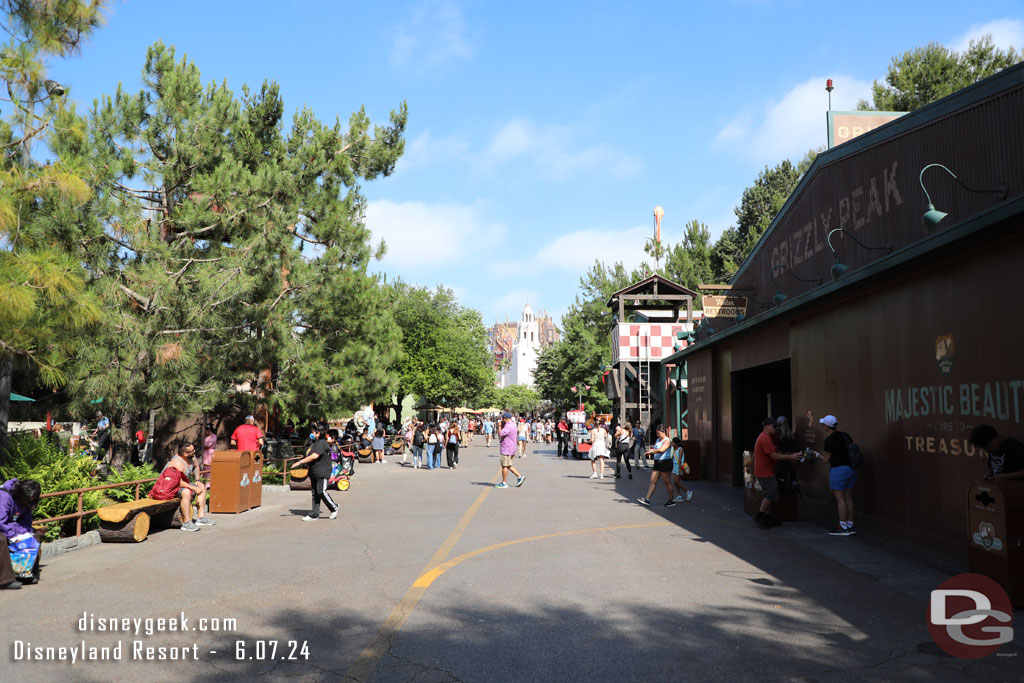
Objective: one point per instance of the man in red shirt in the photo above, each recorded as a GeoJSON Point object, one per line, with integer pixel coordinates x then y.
{"type": "Point", "coordinates": [765, 456]}
{"type": "Point", "coordinates": [247, 437]}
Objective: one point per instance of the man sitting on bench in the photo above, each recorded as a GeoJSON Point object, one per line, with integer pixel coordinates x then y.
{"type": "Point", "coordinates": [174, 481]}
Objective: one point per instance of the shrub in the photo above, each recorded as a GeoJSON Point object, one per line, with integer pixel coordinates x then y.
{"type": "Point", "coordinates": [129, 472]}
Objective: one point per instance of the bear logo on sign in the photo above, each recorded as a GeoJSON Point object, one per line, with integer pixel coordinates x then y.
{"type": "Point", "coordinates": [944, 350]}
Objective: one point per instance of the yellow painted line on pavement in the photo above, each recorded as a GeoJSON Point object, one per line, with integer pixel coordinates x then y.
{"type": "Point", "coordinates": [372, 653]}
{"type": "Point", "coordinates": [428, 578]}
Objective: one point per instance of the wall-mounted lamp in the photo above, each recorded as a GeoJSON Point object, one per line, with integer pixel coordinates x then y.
{"type": "Point", "coordinates": [779, 297]}
{"type": "Point", "coordinates": [932, 216]}
{"type": "Point", "coordinates": [839, 268]}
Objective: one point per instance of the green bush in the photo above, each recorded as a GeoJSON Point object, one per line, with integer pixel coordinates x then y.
{"type": "Point", "coordinates": [130, 472]}
{"type": "Point", "coordinates": [32, 458]}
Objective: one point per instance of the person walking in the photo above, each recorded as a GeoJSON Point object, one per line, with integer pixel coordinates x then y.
{"type": "Point", "coordinates": [841, 476]}
{"type": "Point", "coordinates": [662, 459]}
{"type": "Point", "coordinates": [599, 438]}
{"type": "Point", "coordinates": [453, 438]}
{"type": "Point", "coordinates": [319, 457]}
{"type": "Point", "coordinates": [432, 445]}
{"type": "Point", "coordinates": [638, 447]}
{"type": "Point", "coordinates": [678, 470]}
{"type": "Point", "coordinates": [623, 447]}
{"type": "Point", "coordinates": [418, 441]}
{"type": "Point", "coordinates": [488, 431]}
{"type": "Point", "coordinates": [524, 431]}
{"type": "Point", "coordinates": [508, 436]}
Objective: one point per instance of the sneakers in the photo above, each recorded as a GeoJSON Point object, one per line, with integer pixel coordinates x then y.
{"type": "Point", "coordinates": [310, 518]}
{"type": "Point", "coordinates": [205, 521]}
{"type": "Point", "coordinates": [189, 526]}
{"type": "Point", "coordinates": [670, 504]}
{"type": "Point", "coordinates": [333, 515]}
{"type": "Point", "coordinates": [850, 530]}
{"type": "Point", "coordinates": [12, 586]}
{"type": "Point", "coordinates": [644, 502]}
{"type": "Point", "coordinates": [689, 496]}
{"type": "Point", "coordinates": [760, 520]}
{"type": "Point", "coordinates": [630, 475]}
{"type": "Point", "coordinates": [840, 531]}
{"type": "Point", "coordinates": [520, 480]}
{"type": "Point", "coordinates": [502, 485]}
{"type": "Point", "coordinates": [594, 475]}
{"type": "Point", "coordinates": [680, 498]}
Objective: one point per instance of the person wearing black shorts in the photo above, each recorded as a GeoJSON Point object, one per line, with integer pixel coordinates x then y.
{"type": "Point", "coordinates": [662, 458]}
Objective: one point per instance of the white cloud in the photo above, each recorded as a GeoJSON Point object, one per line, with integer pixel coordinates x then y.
{"type": "Point", "coordinates": [419, 234]}
{"type": "Point", "coordinates": [435, 36]}
{"type": "Point", "coordinates": [427, 150]}
{"type": "Point", "coordinates": [786, 128]}
{"type": "Point", "coordinates": [553, 151]}
{"type": "Point", "coordinates": [1005, 33]}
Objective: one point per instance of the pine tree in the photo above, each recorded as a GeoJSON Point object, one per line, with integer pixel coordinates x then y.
{"type": "Point", "coordinates": [43, 306]}
{"type": "Point", "coordinates": [229, 255]}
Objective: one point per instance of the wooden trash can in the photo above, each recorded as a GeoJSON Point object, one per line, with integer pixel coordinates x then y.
{"type": "Point", "coordinates": [230, 481]}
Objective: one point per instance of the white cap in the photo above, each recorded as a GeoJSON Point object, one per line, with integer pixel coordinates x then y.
{"type": "Point", "coordinates": [829, 421]}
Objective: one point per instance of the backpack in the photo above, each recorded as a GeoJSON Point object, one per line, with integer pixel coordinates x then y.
{"type": "Point", "coordinates": [853, 450]}
{"type": "Point", "coordinates": [785, 474]}
{"type": "Point", "coordinates": [417, 439]}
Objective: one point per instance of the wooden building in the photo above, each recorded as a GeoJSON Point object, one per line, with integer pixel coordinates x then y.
{"type": "Point", "coordinates": [907, 330]}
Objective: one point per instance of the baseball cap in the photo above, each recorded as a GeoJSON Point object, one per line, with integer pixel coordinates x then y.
{"type": "Point", "coordinates": [250, 417]}
{"type": "Point", "coordinates": [829, 421]}
{"type": "Point", "coordinates": [506, 415]}
{"type": "Point", "coordinates": [767, 421]}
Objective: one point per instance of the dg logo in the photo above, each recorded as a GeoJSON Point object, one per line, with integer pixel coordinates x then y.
{"type": "Point", "coordinates": [970, 616]}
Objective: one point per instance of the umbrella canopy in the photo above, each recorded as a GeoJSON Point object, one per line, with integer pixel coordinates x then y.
{"type": "Point", "coordinates": [20, 398]}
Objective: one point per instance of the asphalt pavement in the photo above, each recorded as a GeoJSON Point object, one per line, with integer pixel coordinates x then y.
{"type": "Point", "coordinates": [435, 576]}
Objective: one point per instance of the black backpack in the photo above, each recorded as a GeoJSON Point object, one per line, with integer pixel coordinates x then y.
{"type": "Point", "coordinates": [853, 450]}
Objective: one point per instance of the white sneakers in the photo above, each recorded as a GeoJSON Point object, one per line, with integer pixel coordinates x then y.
{"type": "Point", "coordinates": [594, 475]}
{"type": "Point", "coordinates": [333, 515]}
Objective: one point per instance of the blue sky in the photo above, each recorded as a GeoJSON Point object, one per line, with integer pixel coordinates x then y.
{"type": "Point", "coordinates": [541, 135]}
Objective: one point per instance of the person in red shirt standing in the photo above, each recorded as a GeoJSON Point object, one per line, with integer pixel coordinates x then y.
{"type": "Point", "coordinates": [247, 437]}
{"type": "Point", "coordinates": [765, 456]}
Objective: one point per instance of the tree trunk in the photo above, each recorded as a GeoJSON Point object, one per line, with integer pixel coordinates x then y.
{"type": "Point", "coordinates": [133, 531]}
{"type": "Point", "coordinates": [399, 399]}
{"type": "Point", "coordinates": [121, 440]}
{"type": "Point", "coordinates": [6, 370]}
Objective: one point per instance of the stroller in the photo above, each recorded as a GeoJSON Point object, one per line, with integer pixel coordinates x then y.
{"type": "Point", "coordinates": [343, 466]}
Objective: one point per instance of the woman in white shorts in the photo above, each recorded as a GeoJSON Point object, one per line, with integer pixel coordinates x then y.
{"type": "Point", "coordinates": [598, 449]}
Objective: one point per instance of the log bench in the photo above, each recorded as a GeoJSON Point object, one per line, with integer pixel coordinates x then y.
{"type": "Point", "coordinates": [130, 522]}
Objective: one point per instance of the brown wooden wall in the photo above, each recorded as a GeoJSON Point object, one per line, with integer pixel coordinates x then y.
{"type": "Point", "coordinates": [846, 359]}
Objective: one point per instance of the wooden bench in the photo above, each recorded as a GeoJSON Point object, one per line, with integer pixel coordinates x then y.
{"type": "Point", "coordinates": [129, 522]}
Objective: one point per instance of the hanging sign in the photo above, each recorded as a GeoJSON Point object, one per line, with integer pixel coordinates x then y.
{"type": "Point", "coordinates": [724, 306]}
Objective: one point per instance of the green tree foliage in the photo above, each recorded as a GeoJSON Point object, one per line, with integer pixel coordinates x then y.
{"type": "Point", "coordinates": [444, 357]}
{"type": "Point", "coordinates": [925, 74]}
{"type": "Point", "coordinates": [585, 343]}
{"type": "Point", "coordinates": [689, 262]}
{"type": "Point", "coordinates": [517, 398]}
{"type": "Point", "coordinates": [226, 249]}
{"type": "Point", "coordinates": [43, 307]}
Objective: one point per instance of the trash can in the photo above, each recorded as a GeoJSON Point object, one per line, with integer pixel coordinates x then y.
{"type": "Point", "coordinates": [231, 475]}
{"type": "Point", "coordinates": [255, 479]}
{"type": "Point", "coordinates": [995, 534]}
